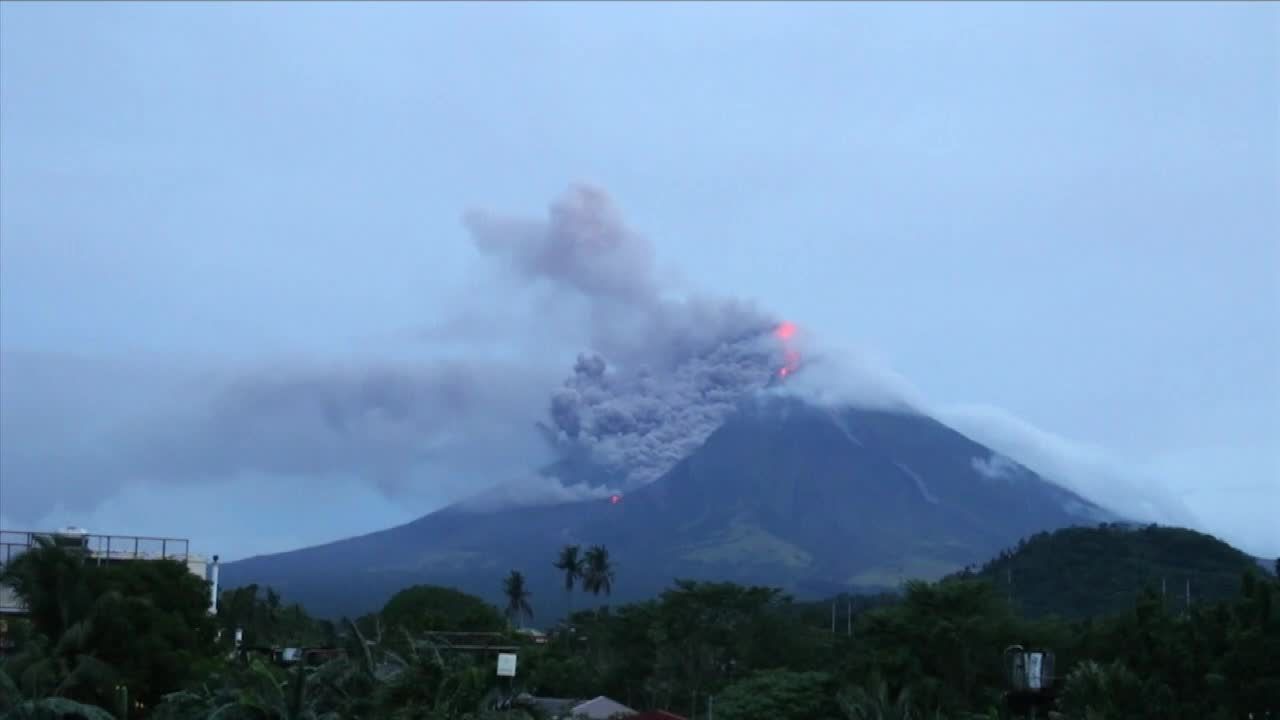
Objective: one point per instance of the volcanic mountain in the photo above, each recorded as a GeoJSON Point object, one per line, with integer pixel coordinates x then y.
{"type": "Point", "coordinates": [786, 493]}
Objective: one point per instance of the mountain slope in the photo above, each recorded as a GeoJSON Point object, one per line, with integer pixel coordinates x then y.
{"type": "Point", "coordinates": [784, 493]}
{"type": "Point", "coordinates": [1084, 572]}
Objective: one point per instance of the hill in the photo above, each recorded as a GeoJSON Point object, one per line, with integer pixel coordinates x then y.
{"type": "Point", "coordinates": [812, 499]}
{"type": "Point", "coordinates": [1083, 572]}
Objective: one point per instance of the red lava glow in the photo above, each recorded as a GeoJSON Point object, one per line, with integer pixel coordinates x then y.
{"type": "Point", "coordinates": [791, 358]}
{"type": "Point", "coordinates": [790, 364]}
{"type": "Point", "coordinates": [615, 499]}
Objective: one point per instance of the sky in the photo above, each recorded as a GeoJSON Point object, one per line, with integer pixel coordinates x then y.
{"type": "Point", "coordinates": [261, 281]}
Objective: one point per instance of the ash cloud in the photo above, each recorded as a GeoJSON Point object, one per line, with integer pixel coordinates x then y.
{"type": "Point", "coordinates": [657, 371]}
{"type": "Point", "coordinates": [393, 424]}
{"type": "Point", "coordinates": [661, 372]}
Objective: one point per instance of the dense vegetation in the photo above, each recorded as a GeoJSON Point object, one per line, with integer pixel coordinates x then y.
{"type": "Point", "coordinates": [135, 640]}
{"type": "Point", "coordinates": [1088, 572]}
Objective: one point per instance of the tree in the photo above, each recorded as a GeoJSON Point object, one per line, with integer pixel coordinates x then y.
{"type": "Point", "coordinates": [142, 625]}
{"type": "Point", "coordinates": [1094, 690]}
{"type": "Point", "coordinates": [570, 563]}
{"type": "Point", "coordinates": [518, 607]}
{"type": "Point", "coordinates": [860, 703]}
{"type": "Point", "coordinates": [424, 608]}
{"type": "Point", "coordinates": [53, 583]}
{"type": "Point", "coordinates": [707, 635]}
{"type": "Point", "coordinates": [777, 695]}
{"type": "Point", "coordinates": [18, 708]}
{"type": "Point", "coordinates": [597, 575]}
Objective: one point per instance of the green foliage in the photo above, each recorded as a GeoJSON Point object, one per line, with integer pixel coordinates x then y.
{"type": "Point", "coordinates": [140, 625]}
{"type": "Point", "coordinates": [597, 571]}
{"type": "Point", "coordinates": [942, 640]}
{"type": "Point", "coordinates": [517, 594]}
{"type": "Point", "coordinates": [708, 634]}
{"type": "Point", "coordinates": [1093, 690]}
{"type": "Point", "coordinates": [875, 703]}
{"type": "Point", "coordinates": [422, 608]}
{"type": "Point", "coordinates": [136, 638]}
{"type": "Point", "coordinates": [1089, 572]}
{"type": "Point", "coordinates": [571, 564]}
{"type": "Point", "coordinates": [266, 621]}
{"type": "Point", "coordinates": [778, 695]}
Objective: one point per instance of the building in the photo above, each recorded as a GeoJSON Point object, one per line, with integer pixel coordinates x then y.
{"type": "Point", "coordinates": [601, 708]}
{"type": "Point", "coordinates": [102, 549]}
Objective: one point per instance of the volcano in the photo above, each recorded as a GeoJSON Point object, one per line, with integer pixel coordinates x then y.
{"type": "Point", "coordinates": [786, 493]}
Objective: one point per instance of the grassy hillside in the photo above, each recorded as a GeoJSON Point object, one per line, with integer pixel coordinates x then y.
{"type": "Point", "coordinates": [1080, 572]}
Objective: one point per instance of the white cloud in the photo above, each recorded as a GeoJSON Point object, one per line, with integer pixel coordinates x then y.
{"type": "Point", "coordinates": [1119, 485]}
{"type": "Point", "coordinates": [995, 467]}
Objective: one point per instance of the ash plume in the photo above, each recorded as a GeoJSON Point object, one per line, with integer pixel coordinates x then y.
{"type": "Point", "coordinates": [660, 373]}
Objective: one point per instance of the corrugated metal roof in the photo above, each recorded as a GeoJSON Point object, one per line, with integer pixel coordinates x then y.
{"type": "Point", "coordinates": [601, 708]}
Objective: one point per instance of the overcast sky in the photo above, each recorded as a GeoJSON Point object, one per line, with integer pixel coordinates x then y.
{"type": "Point", "coordinates": [1059, 223]}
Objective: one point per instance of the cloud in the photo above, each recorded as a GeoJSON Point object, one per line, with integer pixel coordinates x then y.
{"type": "Point", "coordinates": [531, 491]}
{"type": "Point", "coordinates": [839, 374]}
{"type": "Point", "coordinates": [76, 432]}
{"type": "Point", "coordinates": [1118, 485]}
{"type": "Point", "coordinates": [996, 467]}
{"type": "Point", "coordinates": [451, 415]}
{"type": "Point", "coordinates": [660, 371]}
{"type": "Point", "coordinates": [569, 352]}
{"type": "Point", "coordinates": [384, 422]}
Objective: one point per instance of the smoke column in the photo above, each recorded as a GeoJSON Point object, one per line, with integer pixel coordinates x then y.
{"type": "Point", "coordinates": [662, 372]}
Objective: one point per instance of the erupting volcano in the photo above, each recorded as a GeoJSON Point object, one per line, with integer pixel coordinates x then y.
{"type": "Point", "coordinates": [668, 406]}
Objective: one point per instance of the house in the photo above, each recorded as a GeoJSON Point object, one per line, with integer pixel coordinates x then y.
{"type": "Point", "coordinates": [656, 715]}
{"type": "Point", "coordinates": [545, 706]}
{"type": "Point", "coordinates": [600, 708]}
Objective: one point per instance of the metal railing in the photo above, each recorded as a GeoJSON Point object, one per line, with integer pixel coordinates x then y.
{"type": "Point", "coordinates": [98, 549]}
{"type": "Point", "coordinates": [103, 548]}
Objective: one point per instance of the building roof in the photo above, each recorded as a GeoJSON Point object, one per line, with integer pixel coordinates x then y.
{"type": "Point", "coordinates": [601, 708]}
{"type": "Point", "coordinates": [656, 715]}
{"type": "Point", "coordinates": [552, 707]}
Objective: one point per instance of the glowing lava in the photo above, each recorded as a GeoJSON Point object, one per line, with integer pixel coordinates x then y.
{"type": "Point", "coordinates": [791, 357]}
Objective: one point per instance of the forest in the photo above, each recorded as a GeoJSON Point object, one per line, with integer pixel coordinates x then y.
{"type": "Point", "coordinates": [137, 640]}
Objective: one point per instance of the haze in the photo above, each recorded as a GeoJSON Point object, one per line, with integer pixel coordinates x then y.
{"type": "Point", "coordinates": [231, 233]}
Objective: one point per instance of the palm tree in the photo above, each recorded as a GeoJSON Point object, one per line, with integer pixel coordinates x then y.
{"type": "Point", "coordinates": [52, 583]}
{"type": "Point", "coordinates": [597, 575]}
{"type": "Point", "coordinates": [570, 563]}
{"type": "Point", "coordinates": [874, 703]}
{"type": "Point", "coordinates": [518, 596]}
{"type": "Point", "coordinates": [20, 707]}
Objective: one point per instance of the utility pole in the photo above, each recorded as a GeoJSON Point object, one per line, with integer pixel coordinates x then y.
{"type": "Point", "coordinates": [849, 615]}
{"type": "Point", "coordinates": [833, 617]}
{"type": "Point", "coordinates": [711, 707]}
